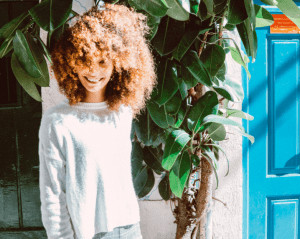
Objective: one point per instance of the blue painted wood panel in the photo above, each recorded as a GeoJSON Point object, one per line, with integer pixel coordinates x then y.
{"type": "Point", "coordinates": [271, 164]}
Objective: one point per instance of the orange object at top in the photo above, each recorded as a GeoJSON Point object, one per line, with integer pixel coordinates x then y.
{"type": "Point", "coordinates": [282, 24]}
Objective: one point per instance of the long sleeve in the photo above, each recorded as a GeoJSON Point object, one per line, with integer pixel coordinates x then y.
{"type": "Point", "coordinates": [52, 180]}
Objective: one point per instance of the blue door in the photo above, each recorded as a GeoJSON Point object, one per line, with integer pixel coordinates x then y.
{"type": "Point", "coordinates": [271, 164]}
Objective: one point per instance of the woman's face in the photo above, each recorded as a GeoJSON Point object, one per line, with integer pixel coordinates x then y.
{"type": "Point", "coordinates": [95, 80]}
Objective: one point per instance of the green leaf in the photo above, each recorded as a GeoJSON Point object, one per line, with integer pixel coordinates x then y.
{"type": "Point", "coordinates": [249, 38]}
{"type": "Point", "coordinates": [236, 12]}
{"type": "Point", "coordinates": [37, 52]}
{"type": "Point", "coordinates": [182, 88]}
{"type": "Point", "coordinates": [179, 174]}
{"type": "Point", "coordinates": [163, 188]}
{"type": "Point", "coordinates": [213, 58]}
{"type": "Point", "coordinates": [186, 42]}
{"type": "Point", "coordinates": [270, 2]}
{"type": "Point", "coordinates": [195, 159]}
{"type": "Point", "coordinates": [24, 55]}
{"type": "Point", "coordinates": [167, 82]}
{"type": "Point", "coordinates": [239, 114]}
{"type": "Point", "coordinates": [9, 29]}
{"type": "Point", "coordinates": [263, 17]}
{"type": "Point", "coordinates": [209, 7]}
{"type": "Point", "coordinates": [195, 66]}
{"type": "Point", "coordinates": [181, 114]}
{"type": "Point", "coordinates": [221, 120]}
{"type": "Point", "coordinates": [153, 158]}
{"type": "Point", "coordinates": [178, 9]}
{"type": "Point", "coordinates": [236, 55]}
{"type": "Point", "coordinates": [224, 91]}
{"type": "Point", "coordinates": [154, 7]}
{"type": "Point", "coordinates": [137, 157]}
{"type": "Point", "coordinates": [168, 35]}
{"type": "Point", "coordinates": [194, 7]}
{"type": "Point", "coordinates": [203, 107]}
{"type": "Point", "coordinates": [187, 77]}
{"type": "Point", "coordinates": [144, 182]}
{"type": "Point", "coordinates": [6, 47]}
{"type": "Point", "coordinates": [51, 14]}
{"type": "Point", "coordinates": [173, 105]}
{"type": "Point", "coordinates": [220, 148]}
{"type": "Point", "coordinates": [176, 141]}
{"type": "Point", "coordinates": [24, 79]}
{"type": "Point", "coordinates": [290, 9]}
{"type": "Point", "coordinates": [159, 115]}
{"type": "Point", "coordinates": [216, 131]}
{"type": "Point", "coordinates": [147, 131]}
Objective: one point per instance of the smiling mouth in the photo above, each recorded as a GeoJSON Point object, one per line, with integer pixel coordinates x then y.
{"type": "Point", "coordinates": [93, 81]}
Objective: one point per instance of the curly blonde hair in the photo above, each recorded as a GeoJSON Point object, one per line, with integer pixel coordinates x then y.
{"type": "Point", "coordinates": [118, 33]}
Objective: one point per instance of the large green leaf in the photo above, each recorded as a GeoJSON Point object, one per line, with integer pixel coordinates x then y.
{"type": "Point", "coordinates": [224, 91]}
{"type": "Point", "coordinates": [176, 141]}
{"type": "Point", "coordinates": [9, 29]}
{"type": "Point", "coordinates": [216, 131]}
{"type": "Point", "coordinates": [203, 107]}
{"type": "Point", "coordinates": [157, 8]}
{"type": "Point", "coordinates": [270, 2]}
{"type": "Point", "coordinates": [137, 158]}
{"type": "Point", "coordinates": [168, 35]}
{"type": "Point", "coordinates": [159, 115]}
{"type": "Point", "coordinates": [179, 174]}
{"type": "Point", "coordinates": [37, 52]}
{"type": "Point", "coordinates": [51, 14]}
{"type": "Point", "coordinates": [188, 79]}
{"type": "Point", "coordinates": [239, 114]}
{"type": "Point", "coordinates": [179, 9]}
{"type": "Point", "coordinates": [249, 37]}
{"type": "Point", "coordinates": [24, 79]}
{"type": "Point", "coordinates": [144, 182]}
{"type": "Point", "coordinates": [186, 42]}
{"type": "Point", "coordinates": [236, 55]}
{"type": "Point", "coordinates": [213, 58]}
{"type": "Point", "coordinates": [167, 82]}
{"type": "Point", "coordinates": [153, 158]}
{"type": "Point", "coordinates": [263, 17]}
{"type": "Point", "coordinates": [6, 47]}
{"type": "Point", "coordinates": [195, 66]}
{"type": "Point", "coordinates": [221, 120]}
{"type": "Point", "coordinates": [164, 188]}
{"type": "Point", "coordinates": [24, 55]}
{"type": "Point", "coordinates": [181, 114]}
{"type": "Point", "coordinates": [236, 12]}
{"type": "Point", "coordinates": [290, 9]}
{"type": "Point", "coordinates": [173, 105]}
{"type": "Point", "coordinates": [147, 131]}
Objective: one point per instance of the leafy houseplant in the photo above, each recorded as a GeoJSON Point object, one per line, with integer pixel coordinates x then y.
{"type": "Point", "coordinates": [178, 134]}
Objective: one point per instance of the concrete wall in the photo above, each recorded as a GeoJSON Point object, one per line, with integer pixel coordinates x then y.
{"type": "Point", "coordinates": [156, 216]}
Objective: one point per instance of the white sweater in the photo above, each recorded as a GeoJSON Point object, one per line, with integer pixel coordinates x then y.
{"type": "Point", "coordinates": [86, 184]}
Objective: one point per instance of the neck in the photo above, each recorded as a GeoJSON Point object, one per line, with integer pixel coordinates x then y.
{"type": "Point", "coordinates": [94, 97]}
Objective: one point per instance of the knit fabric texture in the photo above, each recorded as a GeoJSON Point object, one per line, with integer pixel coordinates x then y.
{"type": "Point", "coordinates": [85, 179]}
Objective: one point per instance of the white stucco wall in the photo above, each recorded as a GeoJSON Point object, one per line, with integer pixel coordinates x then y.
{"type": "Point", "coordinates": [227, 221]}
{"type": "Point", "coordinates": [156, 216]}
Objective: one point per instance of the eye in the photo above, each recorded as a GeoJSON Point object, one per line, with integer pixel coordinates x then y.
{"type": "Point", "coordinates": [102, 62]}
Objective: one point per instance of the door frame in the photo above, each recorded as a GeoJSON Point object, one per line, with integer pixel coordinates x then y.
{"type": "Point", "coordinates": [245, 123]}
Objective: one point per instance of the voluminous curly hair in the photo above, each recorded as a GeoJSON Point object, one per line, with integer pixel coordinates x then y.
{"type": "Point", "coordinates": [118, 33]}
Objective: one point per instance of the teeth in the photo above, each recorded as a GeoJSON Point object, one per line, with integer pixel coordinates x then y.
{"type": "Point", "coordinates": [93, 80]}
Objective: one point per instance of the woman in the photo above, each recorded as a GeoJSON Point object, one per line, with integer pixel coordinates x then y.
{"type": "Point", "coordinates": [104, 66]}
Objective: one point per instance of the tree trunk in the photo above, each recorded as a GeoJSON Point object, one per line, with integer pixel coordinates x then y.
{"type": "Point", "coordinates": [193, 206]}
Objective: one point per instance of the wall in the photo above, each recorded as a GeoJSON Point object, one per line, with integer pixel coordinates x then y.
{"type": "Point", "coordinates": [156, 215]}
